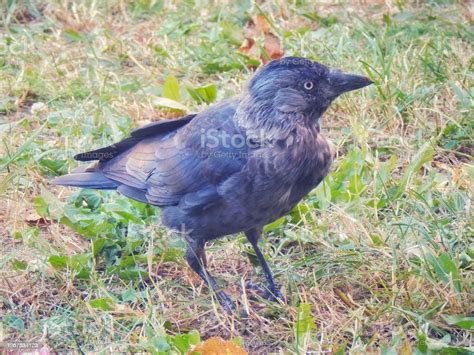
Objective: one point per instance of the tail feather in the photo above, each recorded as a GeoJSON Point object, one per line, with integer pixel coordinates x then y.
{"type": "Point", "coordinates": [88, 180]}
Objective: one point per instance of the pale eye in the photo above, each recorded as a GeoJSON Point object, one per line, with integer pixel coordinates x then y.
{"type": "Point", "coordinates": [308, 85]}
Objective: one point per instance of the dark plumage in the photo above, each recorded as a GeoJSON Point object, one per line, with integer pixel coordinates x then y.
{"type": "Point", "coordinates": [238, 165]}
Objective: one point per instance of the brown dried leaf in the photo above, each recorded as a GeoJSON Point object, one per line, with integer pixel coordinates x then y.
{"type": "Point", "coordinates": [34, 219]}
{"type": "Point", "coordinates": [272, 47]}
{"type": "Point", "coordinates": [69, 20]}
{"type": "Point", "coordinates": [249, 48]}
{"type": "Point", "coordinates": [259, 27]}
{"type": "Point", "coordinates": [261, 24]}
{"type": "Point", "coordinates": [217, 346]}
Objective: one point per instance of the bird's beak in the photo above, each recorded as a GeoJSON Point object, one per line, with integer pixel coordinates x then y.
{"type": "Point", "coordinates": [340, 82]}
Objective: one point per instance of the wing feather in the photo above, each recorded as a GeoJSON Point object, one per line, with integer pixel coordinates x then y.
{"type": "Point", "coordinates": [176, 169]}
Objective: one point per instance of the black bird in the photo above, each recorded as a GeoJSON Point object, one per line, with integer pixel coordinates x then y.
{"type": "Point", "coordinates": [235, 167]}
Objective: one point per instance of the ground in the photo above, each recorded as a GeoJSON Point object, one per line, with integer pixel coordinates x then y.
{"type": "Point", "coordinates": [377, 259]}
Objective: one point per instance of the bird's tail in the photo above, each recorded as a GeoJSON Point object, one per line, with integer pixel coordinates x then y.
{"type": "Point", "coordinates": [86, 179]}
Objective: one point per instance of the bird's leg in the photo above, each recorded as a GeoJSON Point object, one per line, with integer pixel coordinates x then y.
{"type": "Point", "coordinates": [273, 292]}
{"type": "Point", "coordinates": [196, 258]}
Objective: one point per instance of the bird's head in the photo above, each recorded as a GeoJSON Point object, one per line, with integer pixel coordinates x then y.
{"type": "Point", "coordinates": [296, 87]}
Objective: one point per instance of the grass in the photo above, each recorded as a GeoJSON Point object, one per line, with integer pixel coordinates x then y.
{"type": "Point", "coordinates": [377, 259]}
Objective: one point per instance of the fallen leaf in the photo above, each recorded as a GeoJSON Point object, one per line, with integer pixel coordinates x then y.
{"type": "Point", "coordinates": [170, 104]}
{"type": "Point", "coordinates": [272, 46]}
{"type": "Point", "coordinates": [270, 49]}
{"type": "Point", "coordinates": [262, 24]}
{"type": "Point", "coordinates": [32, 218]}
{"type": "Point", "coordinates": [249, 48]}
{"type": "Point", "coordinates": [217, 346]}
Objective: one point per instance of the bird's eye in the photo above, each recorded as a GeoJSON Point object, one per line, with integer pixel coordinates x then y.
{"type": "Point", "coordinates": [308, 85]}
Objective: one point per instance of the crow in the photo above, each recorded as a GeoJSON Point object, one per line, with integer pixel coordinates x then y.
{"type": "Point", "coordinates": [234, 167]}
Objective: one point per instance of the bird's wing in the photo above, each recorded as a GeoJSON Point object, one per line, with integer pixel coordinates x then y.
{"type": "Point", "coordinates": [181, 167]}
{"type": "Point", "coordinates": [149, 130]}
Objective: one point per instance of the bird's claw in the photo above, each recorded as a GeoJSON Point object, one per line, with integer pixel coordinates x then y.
{"type": "Point", "coordinates": [228, 304]}
{"type": "Point", "coordinates": [273, 294]}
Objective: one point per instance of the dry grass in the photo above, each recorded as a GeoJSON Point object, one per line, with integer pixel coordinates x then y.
{"type": "Point", "coordinates": [383, 256]}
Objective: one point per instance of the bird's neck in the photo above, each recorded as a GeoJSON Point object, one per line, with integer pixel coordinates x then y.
{"type": "Point", "coordinates": [259, 118]}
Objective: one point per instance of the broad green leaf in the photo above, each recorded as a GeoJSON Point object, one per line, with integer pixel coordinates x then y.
{"type": "Point", "coordinates": [105, 304]}
{"type": "Point", "coordinates": [18, 264]}
{"type": "Point", "coordinates": [238, 341]}
{"type": "Point", "coordinates": [73, 35]}
{"type": "Point", "coordinates": [424, 155]}
{"type": "Point", "coordinates": [133, 274]}
{"type": "Point", "coordinates": [131, 260]}
{"type": "Point", "coordinates": [58, 261]}
{"type": "Point", "coordinates": [57, 166]}
{"type": "Point", "coordinates": [274, 225]}
{"type": "Point", "coordinates": [341, 349]}
{"type": "Point", "coordinates": [40, 206]}
{"type": "Point", "coordinates": [322, 195]}
{"type": "Point", "coordinates": [460, 321]}
{"type": "Point", "coordinates": [160, 344]}
{"type": "Point", "coordinates": [433, 260]}
{"type": "Point", "coordinates": [305, 321]}
{"type": "Point", "coordinates": [129, 295]}
{"type": "Point", "coordinates": [169, 103]}
{"type": "Point", "coordinates": [83, 274]}
{"type": "Point", "coordinates": [15, 322]}
{"type": "Point", "coordinates": [91, 198]}
{"type": "Point", "coordinates": [356, 185]}
{"type": "Point", "coordinates": [48, 205]}
{"type": "Point", "coordinates": [299, 211]}
{"type": "Point", "coordinates": [184, 341]}
{"type": "Point", "coordinates": [98, 245]}
{"type": "Point", "coordinates": [387, 167]}
{"type": "Point", "coordinates": [171, 89]}
{"type": "Point", "coordinates": [450, 268]}
{"type": "Point", "coordinates": [444, 266]}
{"type": "Point", "coordinates": [122, 211]}
{"type": "Point", "coordinates": [441, 346]}
{"type": "Point", "coordinates": [202, 94]}
{"type": "Point", "coordinates": [421, 342]}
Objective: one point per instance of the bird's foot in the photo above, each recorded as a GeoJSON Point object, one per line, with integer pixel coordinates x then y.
{"type": "Point", "coordinates": [226, 302]}
{"type": "Point", "coordinates": [275, 295]}
{"type": "Point", "coordinates": [272, 294]}
{"type": "Point", "coordinates": [229, 306]}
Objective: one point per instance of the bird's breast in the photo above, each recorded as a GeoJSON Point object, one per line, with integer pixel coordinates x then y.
{"type": "Point", "coordinates": [311, 166]}
{"type": "Point", "coordinates": [282, 176]}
